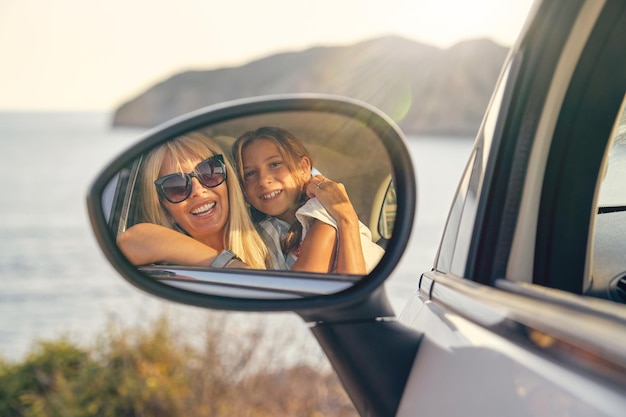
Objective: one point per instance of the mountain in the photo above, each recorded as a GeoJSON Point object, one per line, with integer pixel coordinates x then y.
{"type": "Point", "coordinates": [425, 89]}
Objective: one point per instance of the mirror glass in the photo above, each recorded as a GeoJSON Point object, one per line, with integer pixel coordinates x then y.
{"type": "Point", "coordinates": [276, 190]}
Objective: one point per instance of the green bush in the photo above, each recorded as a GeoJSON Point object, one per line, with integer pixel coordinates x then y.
{"type": "Point", "coordinates": [155, 371]}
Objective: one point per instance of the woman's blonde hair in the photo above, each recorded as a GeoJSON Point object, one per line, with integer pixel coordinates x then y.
{"type": "Point", "coordinates": [292, 150]}
{"type": "Point", "coordinates": [241, 236]}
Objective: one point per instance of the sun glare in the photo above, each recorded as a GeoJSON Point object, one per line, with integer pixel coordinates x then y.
{"type": "Point", "coordinates": [446, 22]}
{"type": "Point", "coordinates": [93, 59]}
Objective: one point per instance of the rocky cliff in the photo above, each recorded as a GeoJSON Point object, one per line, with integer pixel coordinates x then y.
{"type": "Point", "coordinates": [427, 90]}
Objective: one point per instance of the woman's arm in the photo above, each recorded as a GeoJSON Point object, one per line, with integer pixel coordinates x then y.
{"type": "Point", "coordinates": [334, 198]}
{"type": "Point", "coordinates": [147, 243]}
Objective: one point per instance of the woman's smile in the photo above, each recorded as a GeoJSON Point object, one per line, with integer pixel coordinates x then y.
{"type": "Point", "coordinates": [204, 209]}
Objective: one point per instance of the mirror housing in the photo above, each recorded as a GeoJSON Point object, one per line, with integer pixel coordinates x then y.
{"type": "Point", "coordinates": [401, 200]}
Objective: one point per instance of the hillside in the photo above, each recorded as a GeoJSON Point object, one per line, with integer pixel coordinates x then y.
{"type": "Point", "coordinates": [427, 90]}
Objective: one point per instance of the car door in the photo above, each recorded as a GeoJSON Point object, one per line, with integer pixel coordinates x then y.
{"type": "Point", "coordinates": [512, 317]}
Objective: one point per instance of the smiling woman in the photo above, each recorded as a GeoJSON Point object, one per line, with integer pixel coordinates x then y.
{"type": "Point", "coordinates": [190, 210]}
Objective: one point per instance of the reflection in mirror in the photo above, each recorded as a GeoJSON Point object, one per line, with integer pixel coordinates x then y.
{"type": "Point", "coordinates": [608, 267]}
{"type": "Point", "coordinates": [387, 216]}
{"type": "Point", "coordinates": [300, 191]}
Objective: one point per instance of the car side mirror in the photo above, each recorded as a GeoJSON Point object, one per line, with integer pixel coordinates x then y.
{"type": "Point", "coordinates": [350, 143]}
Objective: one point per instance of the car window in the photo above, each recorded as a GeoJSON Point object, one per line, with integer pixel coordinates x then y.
{"type": "Point", "coordinates": [608, 268]}
{"type": "Point", "coordinates": [389, 209]}
{"type": "Point", "coordinates": [455, 244]}
{"type": "Point", "coordinates": [613, 185]}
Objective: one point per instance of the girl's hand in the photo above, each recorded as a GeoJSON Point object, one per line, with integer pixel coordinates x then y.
{"type": "Point", "coordinates": [333, 197]}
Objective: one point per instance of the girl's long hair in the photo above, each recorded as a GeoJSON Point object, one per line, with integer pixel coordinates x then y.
{"type": "Point", "coordinates": [241, 236]}
{"type": "Point", "coordinates": [292, 150]}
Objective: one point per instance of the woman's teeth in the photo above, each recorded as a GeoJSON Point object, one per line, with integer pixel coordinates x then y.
{"type": "Point", "coordinates": [203, 209]}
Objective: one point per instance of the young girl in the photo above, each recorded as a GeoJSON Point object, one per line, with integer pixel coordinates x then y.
{"type": "Point", "coordinates": [312, 217]}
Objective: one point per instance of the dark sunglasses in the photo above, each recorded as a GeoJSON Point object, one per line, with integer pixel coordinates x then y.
{"type": "Point", "coordinates": [176, 188]}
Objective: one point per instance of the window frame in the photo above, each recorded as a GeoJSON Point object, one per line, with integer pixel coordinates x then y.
{"type": "Point", "coordinates": [563, 246]}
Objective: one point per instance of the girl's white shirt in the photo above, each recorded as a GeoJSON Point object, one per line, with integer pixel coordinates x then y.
{"type": "Point", "coordinates": [314, 210]}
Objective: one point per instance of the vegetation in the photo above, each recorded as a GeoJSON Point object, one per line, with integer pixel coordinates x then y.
{"type": "Point", "coordinates": [155, 371]}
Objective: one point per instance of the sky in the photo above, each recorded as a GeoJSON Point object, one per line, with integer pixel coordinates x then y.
{"type": "Point", "coordinates": [83, 55]}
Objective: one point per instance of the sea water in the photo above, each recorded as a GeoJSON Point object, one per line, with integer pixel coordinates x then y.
{"type": "Point", "coordinates": [53, 278]}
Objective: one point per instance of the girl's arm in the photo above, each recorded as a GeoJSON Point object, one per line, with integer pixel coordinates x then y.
{"type": "Point", "coordinates": [334, 198]}
{"type": "Point", "coordinates": [317, 249]}
{"type": "Point", "coordinates": [147, 243]}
